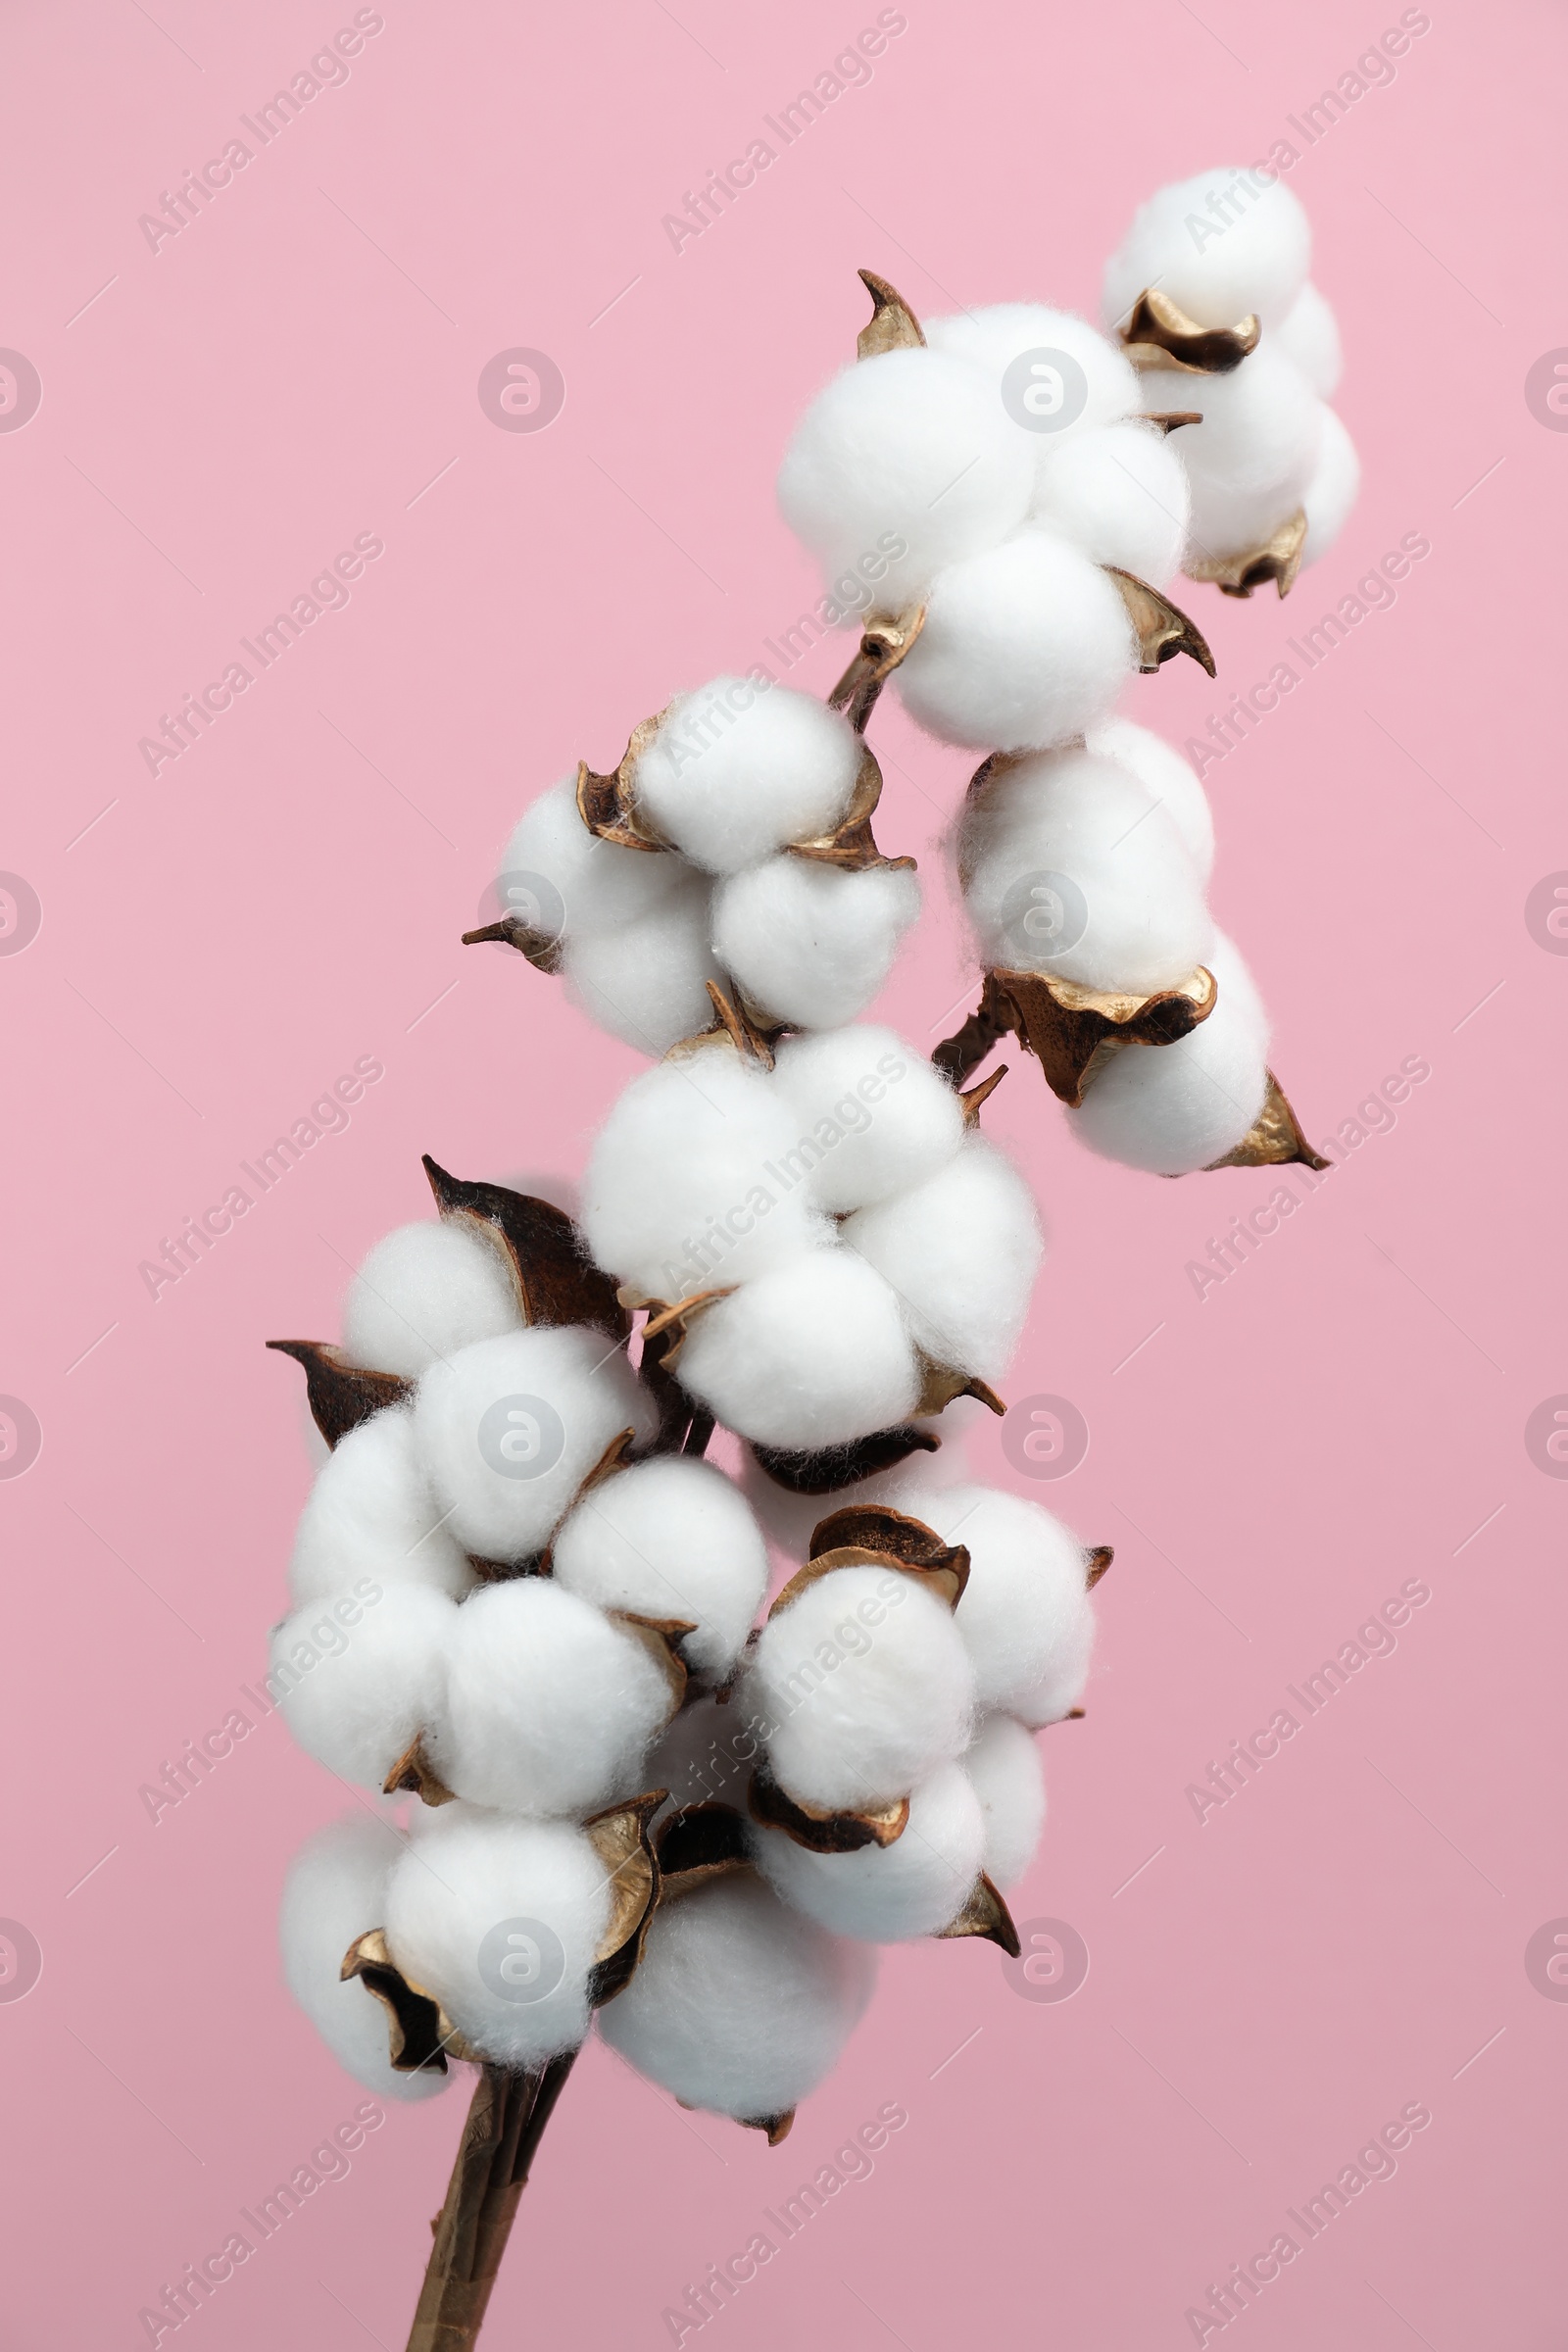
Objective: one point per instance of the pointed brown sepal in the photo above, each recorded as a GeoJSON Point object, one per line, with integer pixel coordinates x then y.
{"type": "Point", "coordinates": [677, 1411]}
{"type": "Point", "coordinates": [1159, 334]}
{"type": "Point", "coordinates": [542, 948]}
{"type": "Point", "coordinates": [819, 1830]}
{"type": "Point", "coordinates": [1278, 559]}
{"type": "Point", "coordinates": [1274, 1138]}
{"type": "Point", "coordinates": [1161, 628]}
{"type": "Point", "coordinates": [992, 1019]}
{"type": "Point", "coordinates": [977, 1096]}
{"type": "Point", "coordinates": [341, 1394]}
{"type": "Point", "coordinates": [619, 1837]}
{"type": "Point", "coordinates": [1171, 420]}
{"type": "Point", "coordinates": [555, 1281]}
{"type": "Point", "coordinates": [851, 845]}
{"type": "Point", "coordinates": [834, 1466]}
{"type": "Point", "coordinates": [420, 2034]}
{"type": "Point", "coordinates": [667, 1321]}
{"type": "Point", "coordinates": [884, 643]}
{"type": "Point", "coordinates": [1072, 1030]}
{"type": "Point", "coordinates": [1095, 1562]}
{"type": "Point", "coordinates": [1075, 1715]}
{"type": "Point", "coordinates": [892, 325]}
{"type": "Point", "coordinates": [941, 1384]}
{"type": "Point", "coordinates": [704, 1841]}
{"type": "Point", "coordinates": [734, 1028]}
{"type": "Point", "coordinates": [877, 1528]}
{"type": "Point", "coordinates": [777, 2127]}
{"type": "Point", "coordinates": [662, 1638]}
{"type": "Point", "coordinates": [415, 1772]}
{"type": "Point", "coordinates": [608, 805]}
{"type": "Point", "coordinates": [612, 1458]}
{"type": "Point", "coordinates": [986, 1914]}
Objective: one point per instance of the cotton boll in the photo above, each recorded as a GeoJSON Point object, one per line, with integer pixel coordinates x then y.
{"type": "Point", "coordinates": [372, 1513]}
{"type": "Point", "coordinates": [1025, 1617]}
{"type": "Point", "coordinates": [1332, 491]}
{"type": "Point", "coordinates": [872, 1115]}
{"type": "Point", "coordinates": [670, 1538]}
{"type": "Point", "coordinates": [558, 878]}
{"type": "Point", "coordinates": [424, 1291]}
{"type": "Point", "coordinates": [962, 1250]}
{"type": "Point", "coordinates": [549, 1708]}
{"type": "Point", "coordinates": [809, 943]}
{"type": "Point", "coordinates": [1023, 646]}
{"type": "Point", "coordinates": [1069, 870]}
{"type": "Point", "coordinates": [1309, 334]}
{"type": "Point", "coordinates": [737, 769]}
{"type": "Point", "coordinates": [1251, 459]}
{"type": "Point", "coordinates": [335, 1892]}
{"type": "Point", "coordinates": [646, 980]}
{"type": "Point", "coordinates": [1031, 339]}
{"type": "Point", "coordinates": [813, 1354]}
{"type": "Point", "coordinates": [500, 1920]}
{"type": "Point", "coordinates": [888, 1894]}
{"type": "Point", "coordinates": [677, 1196]}
{"type": "Point", "coordinates": [893, 1704]}
{"type": "Point", "coordinates": [509, 1429]}
{"type": "Point", "coordinates": [1221, 245]}
{"type": "Point", "coordinates": [738, 2005]}
{"type": "Point", "coordinates": [1121, 496]}
{"type": "Point", "coordinates": [1004, 1772]}
{"type": "Point", "coordinates": [1166, 777]}
{"type": "Point", "coordinates": [911, 447]}
{"type": "Point", "coordinates": [358, 1677]}
{"type": "Point", "coordinates": [1173, 1109]}
{"type": "Point", "coordinates": [1235, 982]}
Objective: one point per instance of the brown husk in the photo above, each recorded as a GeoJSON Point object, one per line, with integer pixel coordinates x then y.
{"type": "Point", "coordinates": [884, 643]}
{"type": "Point", "coordinates": [1162, 629]}
{"type": "Point", "coordinates": [1096, 1563]}
{"type": "Point", "coordinates": [818, 1830]}
{"type": "Point", "coordinates": [542, 948]}
{"type": "Point", "coordinates": [420, 2034]}
{"type": "Point", "coordinates": [851, 845]}
{"type": "Point", "coordinates": [1159, 334]}
{"type": "Point", "coordinates": [619, 1836]}
{"type": "Point", "coordinates": [1071, 1030]}
{"type": "Point", "coordinates": [607, 804]}
{"type": "Point", "coordinates": [415, 1772]}
{"type": "Point", "coordinates": [1274, 1139]}
{"type": "Point", "coordinates": [892, 325]}
{"type": "Point", "coordinates": [831, 1467]}
{"type": "Point", "coordinates": [701, 1843]}
{"type": "Point", "coordinates": [1278, 559]}
{"type": "Point", "coordinates": [985, 1914]}
{"type": "Point", "coordinates": [341, 1394]}
{"type": "Point", "coordinates": [555, 1281]}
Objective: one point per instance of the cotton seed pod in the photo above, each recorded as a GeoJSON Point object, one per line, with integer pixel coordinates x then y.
{"type": "Point", "coordinates": [1057, 377]}
{"type": "Point", "coordinates": [371, 1513]}
{"type": "Point", "coordinates": [905, 459]}
{"type": "Point", "coordinates": [334, 1893]}
{"type": "Point", "coordinates": [872, 1118]}
{"type": "Point", "coordinates": [810, 1354]}
{"type": "Point", "coordinates": [358, 1676]}
{"type": "Point", "coordinates": [962, 1251]}
{"type": "Point", "coordinates": [548, 1706]}
{"type": "Point", "coordinates": [1121, 497]}
{"type": "Point", "coordinates": [1167, 778]}
{"type": "Point", "coordinates": [1250, 458]}
{"type": "Point", "coordinates": [918, 1885]}
{"type": "Point", "coordinates": [736, 769]}
{"type": "Point", "coordinates": [1005, 1774]}
{"type": "Point", "coordinates": [1332, 491]}
{"type": "Point", "coordinates": [670, 1538]}
{"type": "Point", "coordinates": [590, 885]}
{"type": "Point", "coordinates": [508, 1431]}
{"type": "Point", "coordinates": [1310, 335]}
{"type": "Point", "coordinates": [812, 944]}
{"type": "Point", "coordinates": [1221, 245]}
{"type": "Point", "coordinates": [740, 2006]}
{"type": "Point", "coordinates": [424, 1291]}
{"type": "Point", "coordinates": [646, 981]}
{"type": "Point", "coordinates": [1025, 1618]}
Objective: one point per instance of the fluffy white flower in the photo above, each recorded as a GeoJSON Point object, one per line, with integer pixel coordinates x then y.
{"type": "Point", "coordinates": [372, 1513]}
{"type": "Point", "coordinates": [811, 942]}
{"type": "Point", "coordinates": [1252, 457]}
{"type": "Point", "coordinates": [561, 879]}
{"type": "Point", "coordinates": [1025, 1617]}
{"type": "Point", "coordinates": [873, 1116]}
{"type": "Point", "coordinates": [1004, 1772]}
{"type": "Point", "coordinates": [1332, 491]}
{"type": "Point", "coordinates": [813, 1354]}
{"type": "Point", "coordinates": [1174, 1108]}
{"type": "Point", "coordinates": [736, 769]}
{"type": "Point", "coordinates": [888, 1894]}
{"type": "Point", "coordinates": [424, 1291]}
{"type": "Point", "coordinates": [358, 1676]}
{"type": "Point", "coordinates": [1167, 778]}
{"type": "Point", "coordinates": [962, 1251]}
{"type": "Point", "coordinates": [1018, 348]}
{"type": "Point", "coordinates": [1121, 496]}
{"type": "Point", "coordinates": [1309, 334]}
{"type": "Point", "coordinates": [1220, 245]}
{"type": "Point", "coordinates": [335, 1892]}
{"type": "Point", "coordinates": [670, 1538]}
{"type": "Point", "coordinates": [646, 980]}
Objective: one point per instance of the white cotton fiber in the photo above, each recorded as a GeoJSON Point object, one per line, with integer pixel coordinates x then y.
{"type": "Point", "coordinates": [596, 884]}
{"type": "Point", "coordinates": [1252, 457]}
{"type": "Point", "coordinates": [361, 1675]}
{"type": "Point", "coordinates": [1332, 491]}
{"type": "Point", "coordinates": [739, 2005]}
{"type": "Point", "coordinates": [1173, 1109]}
{"type": "Point", "coordinates": [1121, 496]}
{"type": "Point", "coordinates": [670, 1538]}
{"type": "Point", "coordinates": [508, 1431]}
{"type": "Point", "coordinates": [888, 1894]}
{"type": "Point", "coordinates": [809, 942]}
{"type": "Point", "coordinates": [549, 1708]}
{"type": "Point", "coordinates": [1309, 334]}
{"type": "Point", "coordinates": [811, 1355]}
{"type": "Point", "coordinates": [1031, 340]}
{"type": "Point", "coordinates": [1023, 646]}
{"type": "Point", "coordinates": [372, 1513]}
{"type": "Point", "coordinates": [737, 769]}
{"type": "Point", "coordinates": [871, 1115]}
{"type": "Point", "coordinates": [911, 447]}
{"type": "Point", "coordinates": [424, 1291]}
{"type": "Point", "coordinates": [1223, 244]}
{"type": "Point", "coordinates": [1167, 778]}
{"type": "Point", "coordinates": [1069, 868]}
{"type": "Point", "coordinates": [500, 1920]}
{"type": "Point", "coordinates": [1025, 1617]}
{"type": "Point", "coordinates": [863, 1687]}
{"type": "Point", "coordinates": [335, 1894]}
{"type": "Point", "coordinates": [1004, 1772]}
{"type": "Point", "coordinates": [646, 980]}
{"type": "Point", "coordinates": [678, 1196]}
{"type": "Point", "coordinates": [962, 1251]}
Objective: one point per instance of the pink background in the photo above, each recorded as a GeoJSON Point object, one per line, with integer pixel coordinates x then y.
{"type": "Point", "coordinates": [220, 942]}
